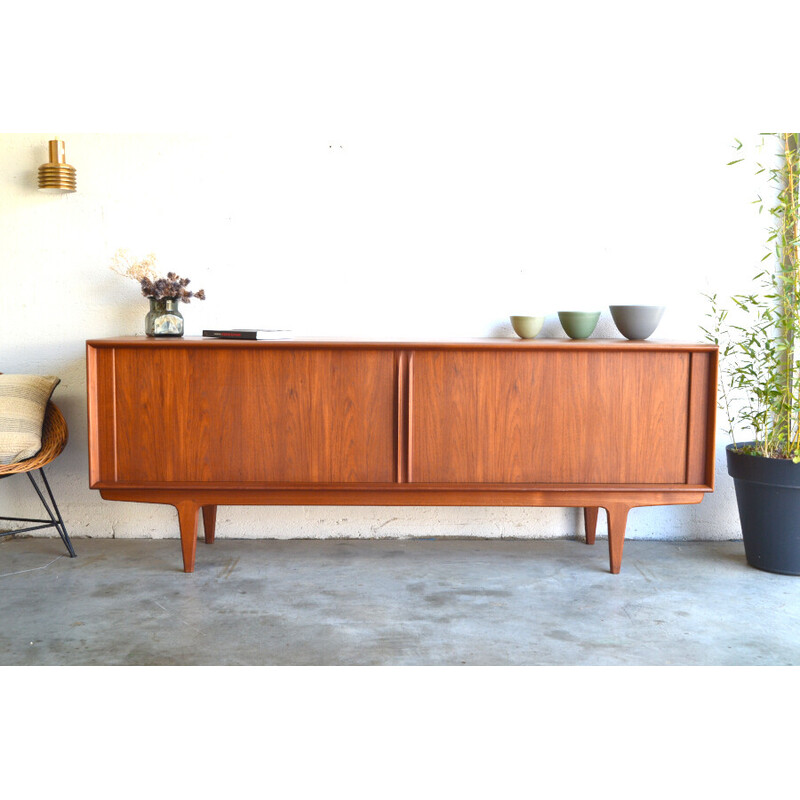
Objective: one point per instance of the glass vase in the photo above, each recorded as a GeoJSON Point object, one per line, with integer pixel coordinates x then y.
{"type": "Point", "coordinates": [164, 319]}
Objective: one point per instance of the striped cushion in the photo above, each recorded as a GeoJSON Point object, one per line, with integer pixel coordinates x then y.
{"type": "Point", "coordinates": [23, 400]}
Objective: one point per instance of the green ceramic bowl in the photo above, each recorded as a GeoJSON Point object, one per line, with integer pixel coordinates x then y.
{"type": "Point", "coordinates": [579, 324]}
{"type": "Point", "coordinates": [527, 327]}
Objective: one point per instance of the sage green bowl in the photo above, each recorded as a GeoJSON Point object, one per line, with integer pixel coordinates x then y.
{"type": "Point", "coordinates": [527, 327]}
{"type": "Point", "coordinates": [579, 324]}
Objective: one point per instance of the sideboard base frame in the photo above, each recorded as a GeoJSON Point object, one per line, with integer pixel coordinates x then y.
{"type": "Point", "coordinates": [190, 503]}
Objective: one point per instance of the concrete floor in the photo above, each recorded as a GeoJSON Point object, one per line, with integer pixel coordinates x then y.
{"type": "Point", "coordinates": [392, 602]}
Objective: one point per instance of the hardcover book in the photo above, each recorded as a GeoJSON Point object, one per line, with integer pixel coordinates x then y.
{"type": "Point", "coordinates": [248, 333]}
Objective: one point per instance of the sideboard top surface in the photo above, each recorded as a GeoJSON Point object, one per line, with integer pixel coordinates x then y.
{"type": "Point", "coordinates": [390, 344]}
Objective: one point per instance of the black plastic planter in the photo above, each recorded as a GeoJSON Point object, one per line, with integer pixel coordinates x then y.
{"type": "Point", "coordinates": [768, 495]}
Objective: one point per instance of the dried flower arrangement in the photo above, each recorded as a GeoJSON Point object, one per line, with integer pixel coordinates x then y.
{"type": "Point", "coordinates": [153, 285]}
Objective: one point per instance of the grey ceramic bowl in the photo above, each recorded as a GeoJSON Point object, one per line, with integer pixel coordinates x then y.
{"type": "Point", "coordinates": [527, 327]}
{"type": "Point", "coordinates": [579, 324]}
{"type": "Point", "coordinates": [636, 322]}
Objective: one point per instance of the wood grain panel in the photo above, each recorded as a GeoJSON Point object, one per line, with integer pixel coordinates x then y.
{"type": "Point", "coordinates": [702, 418]}
{"type": "Point", "coordinates": [254, 415]}
{"type": "Point", "coordinates": [100, 408]}
{"type": "Point", "coordinates": [551, 417]}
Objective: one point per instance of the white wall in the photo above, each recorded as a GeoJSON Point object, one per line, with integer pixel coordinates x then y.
{"type": "Point", "coordinates": [425, 180]}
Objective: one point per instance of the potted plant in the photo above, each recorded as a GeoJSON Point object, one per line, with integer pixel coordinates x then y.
{"type": "Point", "coordinates": [760, 379]}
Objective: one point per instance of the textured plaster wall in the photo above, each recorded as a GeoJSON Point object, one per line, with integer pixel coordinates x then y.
{"type": "Point", "coordinates": [422, 181]}
{"type": "Point", "coordinates": [436, 237]}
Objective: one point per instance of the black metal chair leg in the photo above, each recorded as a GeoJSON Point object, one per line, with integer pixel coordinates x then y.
{"type": "Point", "coordinates": [63, 528]}
{"type": "Point", "coordinates": [58, 522]}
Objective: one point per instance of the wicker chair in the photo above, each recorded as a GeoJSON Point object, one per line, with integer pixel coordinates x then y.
{"type": "Point", "coordinates": [54, 440]}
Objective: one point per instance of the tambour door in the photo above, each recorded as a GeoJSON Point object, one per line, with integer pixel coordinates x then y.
{"type": "Point", "coordinates": [196, 414]}
{"type": "Point", "coordinates": [551, 416]}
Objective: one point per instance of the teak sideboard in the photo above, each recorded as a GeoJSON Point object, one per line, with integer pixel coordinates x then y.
{"type": "Point", "coordinates": [197, 423]}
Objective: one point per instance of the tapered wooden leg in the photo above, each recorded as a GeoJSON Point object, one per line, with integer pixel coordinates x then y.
{"type": "Point", "coordinates": [188, 516]}
{"type": "Point", "coordinates": [590, 523]}
{"type": "Point", "coordinates": [209, 523]}
{"type": "Point", "coordinates": [617, 519]}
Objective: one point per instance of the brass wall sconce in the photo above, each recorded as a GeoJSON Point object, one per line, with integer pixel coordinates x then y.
{"type": "Point", "coordinates": [57, 177]}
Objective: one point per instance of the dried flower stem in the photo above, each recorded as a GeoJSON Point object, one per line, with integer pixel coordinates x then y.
{"type": "Point", "coordinates": [153, 285]}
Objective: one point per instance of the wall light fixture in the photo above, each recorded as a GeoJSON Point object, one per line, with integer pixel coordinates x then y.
{"type": "Point", "coordinates": [57, 177]}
